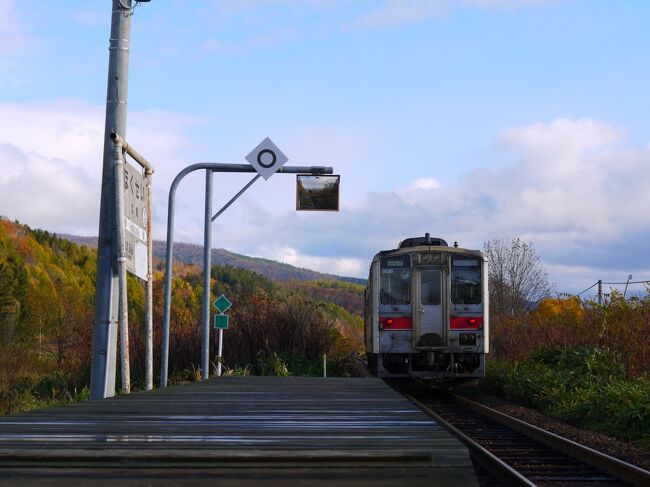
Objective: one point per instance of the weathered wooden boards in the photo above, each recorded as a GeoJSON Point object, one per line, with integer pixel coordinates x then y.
{"type": "Point", "coordinates": [237, 431]}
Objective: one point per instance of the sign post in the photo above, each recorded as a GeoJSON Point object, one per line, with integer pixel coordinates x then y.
{"type": "Point", "coordinates": [133, 202]}
{"type": "Point", "coordinates": [266, 159]}
{"type": "Point", "coordinates": [222, 304]}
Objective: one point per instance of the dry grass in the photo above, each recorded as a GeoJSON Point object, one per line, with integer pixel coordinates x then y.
{"type": "Point", "coordinates": [619, 326]}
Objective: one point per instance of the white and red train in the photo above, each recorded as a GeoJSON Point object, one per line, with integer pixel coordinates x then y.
{"type": "Point", "coordinates": [426, 312]}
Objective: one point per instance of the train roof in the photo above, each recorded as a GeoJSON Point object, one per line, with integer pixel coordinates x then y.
{"type": "Point", "coordinates": [419, 241]}
{"type": "Point", "coordinates": [426, 244]}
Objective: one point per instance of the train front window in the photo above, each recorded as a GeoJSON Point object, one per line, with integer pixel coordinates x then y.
{"type": "Point", "coordinates": [465, 281]}
{"type": "Point", "coordinates": [430, 287]}
{"type": "Point", "coordinates": [395, 280]}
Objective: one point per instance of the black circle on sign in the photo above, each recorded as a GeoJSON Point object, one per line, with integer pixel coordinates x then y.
{"type": "Point", "coordinates": [259, 158]}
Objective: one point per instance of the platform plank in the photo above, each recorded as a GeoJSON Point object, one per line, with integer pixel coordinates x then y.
{"type": "Point", "coordinates": [240, 430]}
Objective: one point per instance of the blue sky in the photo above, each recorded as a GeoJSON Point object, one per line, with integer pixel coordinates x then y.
{"type": "Point", "coordinates": [469, 119]}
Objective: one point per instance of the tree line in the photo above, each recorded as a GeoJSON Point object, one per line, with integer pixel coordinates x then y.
{"type": "Point", "coordinates": [46, 313]}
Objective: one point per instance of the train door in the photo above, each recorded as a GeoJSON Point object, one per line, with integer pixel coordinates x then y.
{"type": "Point", "coordinates": [429, 330]}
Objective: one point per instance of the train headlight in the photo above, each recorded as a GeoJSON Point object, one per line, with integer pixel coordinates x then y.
{"type": "Point", "coordinates": [467, 339]}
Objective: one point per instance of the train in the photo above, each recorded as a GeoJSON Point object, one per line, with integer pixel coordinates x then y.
{"type": "Point", "coordinates": [426, 313]}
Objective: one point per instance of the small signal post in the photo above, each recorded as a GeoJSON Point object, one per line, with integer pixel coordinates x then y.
{"type": "Point", "coordinates": [223, 304]}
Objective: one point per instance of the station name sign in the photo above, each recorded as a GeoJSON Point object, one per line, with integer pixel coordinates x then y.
{"type": "Point", "coordinates": [135, 221]}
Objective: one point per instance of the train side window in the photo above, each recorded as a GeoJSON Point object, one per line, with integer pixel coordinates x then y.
{"type": "Point", "coordinates": [465, 281]}
{"type": "Point", "coordinates": [395, 280]}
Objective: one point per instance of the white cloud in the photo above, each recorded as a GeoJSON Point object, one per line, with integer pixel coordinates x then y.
{"type": "Point", "coordinates": [341, 266]}
{"type": "Point", "coordinates": [234, 6]}
{"type": "Point", "coordinates": [569, 176]}
{"type": "Point", "coordinates": [424, 183]}
{"type": "Point", "coordinates": [51, 159]}
{"type": "Point", "coordinates": [398, 12]}
{"type": "Point", "coordinates": [65, 129]}
{"type": "Point", "coordinates": [46, 192]}
{"type": "Point", "coordinates": [491, 4]}
{"type": "Point", "coordinates": [570, 188]}
{"type": "Point", "coordinates": [273, 22]}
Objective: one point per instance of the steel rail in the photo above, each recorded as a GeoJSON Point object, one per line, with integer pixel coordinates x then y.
{"type": "Point", "coordinates": [613, 466]}
{"type": "Point", "coordinates": [486, 459]}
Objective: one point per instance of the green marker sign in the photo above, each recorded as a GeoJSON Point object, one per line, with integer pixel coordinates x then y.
{"type": "Point", "coordinates": [221, 322]}
{"type": "Point", "coordinates": [222, 304]}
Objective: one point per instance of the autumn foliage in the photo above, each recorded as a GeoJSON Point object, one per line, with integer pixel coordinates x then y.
{"type": "Point", "coordinates": [46, 314]}
{"type": "Point", "coordinates": [46, 296]}
{"type": "Point", "coordinates": [619, 326]}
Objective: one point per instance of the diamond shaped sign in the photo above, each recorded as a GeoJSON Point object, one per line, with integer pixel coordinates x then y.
{"type": "Point", "coordinates": [222, 304]}
{"type": "Point", "coordinates": [266, 158]}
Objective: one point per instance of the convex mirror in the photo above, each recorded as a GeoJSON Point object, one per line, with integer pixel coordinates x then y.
{"type": "Point", "coordinates": [317, 193]}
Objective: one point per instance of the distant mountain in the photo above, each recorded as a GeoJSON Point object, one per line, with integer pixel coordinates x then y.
{"type": "Point", "coordinates": [193, 254]}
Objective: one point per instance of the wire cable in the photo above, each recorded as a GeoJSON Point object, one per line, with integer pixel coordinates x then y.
{"type": "Point", "coordinates": [582, 292]}
{"type": "Point", "coordinates": [624, 283]}
{"type": "Point", "coordinates": [607, 283]}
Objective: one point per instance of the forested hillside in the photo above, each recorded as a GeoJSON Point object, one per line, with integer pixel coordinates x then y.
{"type": "Point", "coordinates": [46, 313]}
{"type": "Point", "coordinates": [193, 254]}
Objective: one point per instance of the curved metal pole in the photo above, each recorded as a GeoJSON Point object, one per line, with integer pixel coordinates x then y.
{"type": "Point", "coordinates": [164, 355]}
{"type": "Point", "coordinates": [214, 167]}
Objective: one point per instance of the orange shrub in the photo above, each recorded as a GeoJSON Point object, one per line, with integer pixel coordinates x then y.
{"type": "Point", "coordinates": [552, 308]}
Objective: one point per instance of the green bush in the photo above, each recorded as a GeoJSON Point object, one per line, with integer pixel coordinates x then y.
{"type": "Point", "coordinates": [52, 390]}
{"type": "Point", "coordinates": [583, 386]}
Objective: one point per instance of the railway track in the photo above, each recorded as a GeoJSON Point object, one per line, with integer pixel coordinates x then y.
{"type": "Point", "coordinates": [508, 451]}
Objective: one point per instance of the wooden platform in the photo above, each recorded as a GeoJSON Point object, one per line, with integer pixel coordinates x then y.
{"type": "Point", "coordinates": [236, 431]}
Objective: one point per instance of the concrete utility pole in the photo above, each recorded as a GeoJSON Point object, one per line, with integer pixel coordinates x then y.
{"type": "Point", "coordinates": [600, 291]}
{"type": "Point", "coordinates": [102, 375]}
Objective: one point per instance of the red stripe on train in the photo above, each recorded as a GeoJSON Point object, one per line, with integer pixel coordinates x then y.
{"type": "Point", "coordinates": [395, 323]}
{"type": "Point", "coordinates": [466, 322]}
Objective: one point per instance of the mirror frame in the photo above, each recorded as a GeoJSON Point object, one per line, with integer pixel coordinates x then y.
{"type": "Point", "coordinates": [338, 185]}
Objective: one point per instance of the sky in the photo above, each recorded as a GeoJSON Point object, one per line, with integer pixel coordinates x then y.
{"type": "Point", "coordinates": [467, 119]}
